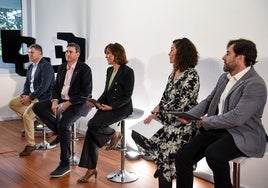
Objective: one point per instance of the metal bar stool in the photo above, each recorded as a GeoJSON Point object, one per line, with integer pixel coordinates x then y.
{"type": "Point", "coordinates": [236, 168]}
{"type": "Point", "coordinates": [44, 145]}
{"type": "Point", "coordinates": [123, 176]}
{"type": "Point", "coordinates": [74, 160]}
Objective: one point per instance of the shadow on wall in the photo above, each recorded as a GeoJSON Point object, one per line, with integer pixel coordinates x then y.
{"type": "Point", "coordinates": [139, 96]}
{"type": "Point", "coordinates": [209, 70]}
{"type": "Point", "coordinates": [157, 73]}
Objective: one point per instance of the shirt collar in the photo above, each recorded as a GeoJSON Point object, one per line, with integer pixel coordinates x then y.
{"type": "Point", "coordinates": [72, 66]}
{"type": "Point", "coordinates": [238, 75]}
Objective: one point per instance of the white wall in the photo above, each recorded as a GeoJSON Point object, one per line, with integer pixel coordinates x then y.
{"type": "Point", "coordinates": [146, 29]}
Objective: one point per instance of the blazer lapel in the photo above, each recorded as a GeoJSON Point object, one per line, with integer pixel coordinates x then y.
{"type": "Point", "coordinates": [213, 108]}
{"type": "Point", "coordinates": [119, 72]}
{"type": "Point", "coordinates": [241, 81]}
{"type": "Point", "coordinates": [37, 71]}
{"type": "Point", "coordinates": [76, 70]}
{"type": "Point", "coordinates": [62, 76]}
{"type": "Point", "coordinates": [108, 78]}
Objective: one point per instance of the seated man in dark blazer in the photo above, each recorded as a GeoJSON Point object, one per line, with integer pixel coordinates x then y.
{"type": "Point", "coordinates": [73, 81]}
{"type": "Point", "coordinates": [37, 87]}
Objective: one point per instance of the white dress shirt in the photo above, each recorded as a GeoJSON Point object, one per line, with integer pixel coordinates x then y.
{"type": "Point", "coordinates": [232, 81]}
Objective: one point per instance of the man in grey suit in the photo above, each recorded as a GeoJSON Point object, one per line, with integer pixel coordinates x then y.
{"type": "Point", "coordinates": [230, 124]}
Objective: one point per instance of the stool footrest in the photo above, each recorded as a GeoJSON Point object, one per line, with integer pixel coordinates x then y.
{"type": "Point", "coordinates": [120, 149]}
{"type": "Point", "coordinates": [122, 176]}
{"type": "Point", "coordinates": [75, 139]}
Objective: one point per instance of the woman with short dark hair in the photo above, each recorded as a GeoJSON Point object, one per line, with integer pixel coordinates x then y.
{"type": "Point", "coordinates": [113, 105]}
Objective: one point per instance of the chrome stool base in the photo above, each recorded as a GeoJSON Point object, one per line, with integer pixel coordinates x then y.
{"type": "Point", "coordinates": [74, 160]}
{"type": "Point", "coordinates": [122, 176]}
{"type": "Point", "coordinates": [44, 145]}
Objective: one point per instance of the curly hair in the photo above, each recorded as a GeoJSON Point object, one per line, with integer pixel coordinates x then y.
{"type": "Point", "coordinates": [186, 56]}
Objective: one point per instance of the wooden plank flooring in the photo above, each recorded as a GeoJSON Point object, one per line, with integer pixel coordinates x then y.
{"type": "Point", "coordinates": [33, 171]}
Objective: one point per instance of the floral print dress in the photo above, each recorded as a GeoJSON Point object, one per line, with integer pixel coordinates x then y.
{"type": "Point", "coordinates": [179, 95]}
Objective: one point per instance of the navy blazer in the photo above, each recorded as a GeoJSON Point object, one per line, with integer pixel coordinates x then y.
{"type": "Point", "coordinates": [43, 81]}
{"type": "Point", "coordinates": [80, 86]}
{"type": "Point", "coordinates": [118, 96]}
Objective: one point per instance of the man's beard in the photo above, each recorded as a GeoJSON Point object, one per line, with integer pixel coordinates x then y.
{"type": "Point", "coordinates": [225, 68]}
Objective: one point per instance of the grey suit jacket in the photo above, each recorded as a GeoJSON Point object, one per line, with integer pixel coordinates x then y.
{"type": "Point", "coordinates": [242, 112]}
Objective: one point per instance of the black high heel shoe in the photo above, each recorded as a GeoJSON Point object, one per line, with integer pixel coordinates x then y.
{"type": "Point", "coordinates": [85, 178]}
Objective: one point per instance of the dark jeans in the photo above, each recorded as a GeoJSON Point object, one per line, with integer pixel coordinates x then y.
{"type": "Point", "coordinates": [62, 127]}
{"type": "Point", "coordinates": [218, 147]}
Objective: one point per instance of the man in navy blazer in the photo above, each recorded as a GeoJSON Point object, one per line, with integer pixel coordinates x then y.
{"type": "Point", "coordinates": [73, 81]}
{"type": "Point", "coordinates": [37, 87]}
{"type": "Point", "coordinates": [230, 124]}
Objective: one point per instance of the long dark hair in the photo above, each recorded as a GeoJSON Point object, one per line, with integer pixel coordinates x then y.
{"type": "Point", "coordinates": [186, 56]}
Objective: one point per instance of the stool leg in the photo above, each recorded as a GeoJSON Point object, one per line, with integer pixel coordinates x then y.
{"type": "Point", "coordinates": [44, 145]}
{"type": "Point", "coordinates": [123, 145]}
{"type": "Point", "coordinates": [122, 175]}
{"type": "Point", "coordinates": [74, 160]}
{"type": "Point", "coordinates": [236, 175]}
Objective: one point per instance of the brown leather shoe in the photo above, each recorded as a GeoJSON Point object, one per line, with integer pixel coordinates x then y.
{"type": "Point", "coordinates": [27, 150]}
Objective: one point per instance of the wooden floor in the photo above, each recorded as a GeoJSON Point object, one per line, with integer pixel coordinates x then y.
{"type": "Point", "coordinates": [33, 171]}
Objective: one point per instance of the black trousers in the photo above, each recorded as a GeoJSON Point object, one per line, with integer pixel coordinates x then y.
{"type": "Point", "coordinates": [218, 147]}
{"type": "Point", "coordinates": [162, 181]}
{"type": "Point", "coordinates": [62, 127]}
{"type": "Point", "coordinates": [97, 135]}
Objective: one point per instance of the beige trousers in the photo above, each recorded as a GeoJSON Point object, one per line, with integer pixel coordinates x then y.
{"type": "Point", "coordinates": [27, 115]}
